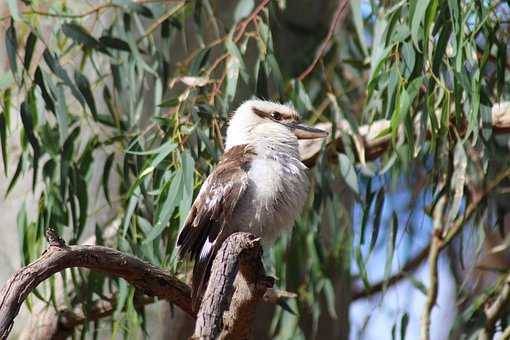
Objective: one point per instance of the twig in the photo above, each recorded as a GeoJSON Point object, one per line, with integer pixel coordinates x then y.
{"type": "Point", "coordinates": [161, 19]}
{"type": "Point", "coordinates": [433, 285]}
{"type": "Point", "coordinates": [441, 239]}
{"type": "Point", "coordinates": [244, 24]}
{"type": "Point", "coordinates": [147, 278]}
{"type": "Point", "coordinates": [433, 257]}
{"type": "Point", "coordinates": [336, 19]}
{"type": "Point", "coordinates": [410, 266]}
{"type": "Point", "coordinates": [494, 311]}
{"type": "Point", "coordinates": [68, 319]}
{"type": "Point", "coordinates": [506, 334]}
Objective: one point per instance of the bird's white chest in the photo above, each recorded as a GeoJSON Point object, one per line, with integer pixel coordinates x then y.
{"type": "Point", "coordinates": [277, 190]}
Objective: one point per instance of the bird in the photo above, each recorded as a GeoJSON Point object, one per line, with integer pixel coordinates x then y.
{"type": "Point", "coordinates": [259, 186]}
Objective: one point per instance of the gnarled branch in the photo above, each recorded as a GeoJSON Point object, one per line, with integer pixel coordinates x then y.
{"type": "Point", "coordinates": [147, 278]}
{"type": "Point", "coordinates": [494, 311]}
{"type": "Point", "coordinates": [372, 140]}
{"type": "Point", "coordinates": [410, 266]}
{"type": "Point", "coordinates": [237, 284]}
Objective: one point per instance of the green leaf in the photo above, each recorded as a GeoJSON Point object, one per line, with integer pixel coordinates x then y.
{"type": "Point", "coordinates": [199, 61]}
{"type": "Point", "coordinates": [173, 197]}
{"type": "Point", "coordinates": [48, 100]}
{"type": "Point", "coordinates": [122, 296]}
{"type": "Point", "coordinates": [243, 9]}
{"type": "Point", "coordinates": [7, 107]}
{"type": "Point", "coordinates": [80, 35]}
{"type": "Point", "coordinates": [29, 50]}
{"type": "Point", "coordinates": [14, 179]}
{"type": "Point", "coordinates": [418, 15]}
{"type": "Point", "coordinates": [440, 48]}
{"type": "Point", "coordinates": [11, 45]}
{"type": "Point", "coordinates": [234, 51]}
{"type": "Point", "coordinates": [106, 176]}
{"type": "Point", "coordinates": [27, 118]}
{"type": "Point", "coordinates": [57, 69]}
{"type": "Point", "coordinates": [391, 247]}
{"type": "Point", "coordinates": [233, 67]}
{"type": "Point", "coordinates": [115, 43]}
{"type": "Point", "coordinates": [348, 172]}
{"type": "Point", "coordinates": [133, 202]}
{"type": "Point", "coordinates": [404, 322]}
{"type": "Point", "coordinates": [361, 266]}
{"type": "Point", "coordinates": [329, 292]}
{"type": "Point", "coordinates": [13, 8]}
{"type": "Point", "coordinates": [358, 24]}
{"type": "Point", "coordinates": [458, 179]}
{"type": "Point", "coordinates": [141, 9]}
{"type": "Point", "coordinates": [379, 203]}
{"type": "Point", "coordinates": [188, 170]}
{"type": "Point", "coordinates": [164, 151]}
{"type": "Point", "coordinates": [3, 142]}
{"type": "Point", "coordinates": [62, 115]}
{"type": "Point", "coordinates": [369, 196]}
{"type": "Point", "coordinates": [84, 86]}
{"type": "Point", "coordinates": [418, 285]}
{"type": "Point", "coordinates": [170, 102]}
{"type": "Point", "coordinates": [83, 203]}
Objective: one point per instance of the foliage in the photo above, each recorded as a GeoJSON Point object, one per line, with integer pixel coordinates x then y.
{"type": "Point", "coordinates": [133, 97]}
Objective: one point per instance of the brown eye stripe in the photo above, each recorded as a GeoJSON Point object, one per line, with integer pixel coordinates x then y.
{"type": "Point", "coordinates": [290, 117]}
{"type": "Point", "coordinates": [260, 113]}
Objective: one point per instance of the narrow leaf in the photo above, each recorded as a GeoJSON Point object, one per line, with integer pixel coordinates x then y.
{"type": "Point", "coordinates": [29, 49]}
{"type": "Point", "coordinates": [11, 45]}
{"type": "Point", "coordinates": [379, 203]}
{"type": "Point", "coordinates": [84, 86]}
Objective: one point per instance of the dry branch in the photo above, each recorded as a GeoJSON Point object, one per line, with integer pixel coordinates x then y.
{"type": "Point", "coordinates": [147, 278]}
{"type": "Point", "coordinates": [237, 283]}
{"type": "Point", "coordinates": [60, 322]}
{"type": "Point", "coordinates": [442, 237]}
{"type": "Point", "coordinates": [337, 18]}
{"type": "Point", "coordinates": [374, 139]}
{"type": "Point", "coordinates": [410, 266]}
{"type": "Point", "coordinates": [494, 311]}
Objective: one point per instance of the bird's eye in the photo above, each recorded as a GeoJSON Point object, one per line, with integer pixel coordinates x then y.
{"type": "Point", "coordinates": [276, 115]}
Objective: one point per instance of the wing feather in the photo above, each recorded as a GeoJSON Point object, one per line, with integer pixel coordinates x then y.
{"type": "Point", "coordinates": [204, 229]}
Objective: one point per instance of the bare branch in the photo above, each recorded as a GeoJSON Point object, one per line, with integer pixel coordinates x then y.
{"type": "Point", "coordinates": [244, 24]}
{"type": "Point", "coordinates": [337, 17]}
{"type": "Point", "coordinates": [410, 266]}
{"type": "Point", "coordinates": [374, 139]}
{"type": "Point", "coordinates": [237, 283]}
{"type": "Point", "coordinates": [494, 311]}
{"type": "Point", "coordinates": [147, 278]}
{"type": "Point", "coordinates": [441, 238]}
{"type": "Point", "coordinates": [49, 323]}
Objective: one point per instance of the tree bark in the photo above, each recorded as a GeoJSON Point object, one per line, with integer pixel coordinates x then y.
{"type": "Point", "coordinates": [147, 278]}
{"type": "Point", "coordinates": [236, 285]}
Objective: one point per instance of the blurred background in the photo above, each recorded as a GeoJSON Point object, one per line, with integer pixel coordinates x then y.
{"type": "Point", "coordinates": [113, 112]}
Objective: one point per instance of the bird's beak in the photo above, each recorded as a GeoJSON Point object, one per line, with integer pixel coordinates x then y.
{"type": "Point", "coordinates": [306, 132]}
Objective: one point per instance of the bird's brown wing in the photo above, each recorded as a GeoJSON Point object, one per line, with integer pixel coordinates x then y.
{"type": "Point", "coordinates": [204, 228]}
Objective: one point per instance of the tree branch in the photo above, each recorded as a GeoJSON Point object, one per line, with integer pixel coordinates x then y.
{"type": "Point", "coordinates": [147, 278]}
{"type": "Point", "coordinates": [236, 285]}
{"type": "Point", "coordinates": [410, 266]}
{"type": "Point", "coordinates": [494, 311]}
{"type": "Point", "coordinates": [374, 139]}
{"type": "Point", "coordinates": [320, 52]}
{"type": "Point", "coordinates": [440, 240]}
{"type": "Point", "coordinates": [244, 24]}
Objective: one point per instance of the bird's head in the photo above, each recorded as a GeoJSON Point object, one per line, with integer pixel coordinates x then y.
{"type": "Point", "coordinates": [258, 120]}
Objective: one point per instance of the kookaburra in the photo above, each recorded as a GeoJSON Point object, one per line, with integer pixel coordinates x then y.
{"type": "Point", "coordinates": [259, 186]}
